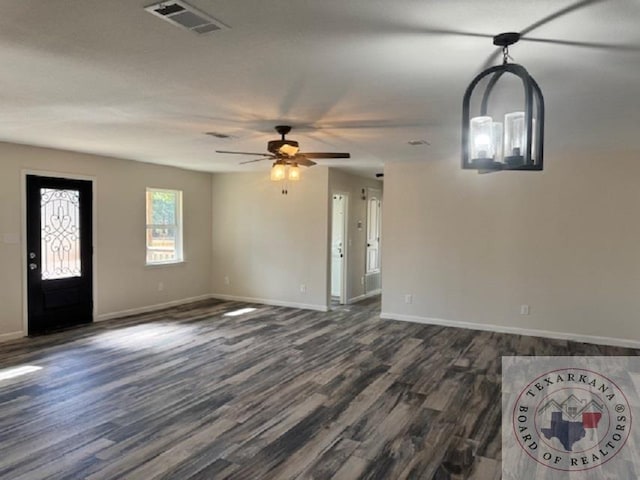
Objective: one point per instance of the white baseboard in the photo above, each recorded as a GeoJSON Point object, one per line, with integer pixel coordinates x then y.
{"type": "Point", "coordinates": [6, 337]}
{"type": "Point", "coordinates": [266, 301]}
{"type": "Point", "coordinates": [359, 298]}
{"type": "Point", "coordinates": [150, 308]}
{"type": "Point", "coordinates": [616, 342]}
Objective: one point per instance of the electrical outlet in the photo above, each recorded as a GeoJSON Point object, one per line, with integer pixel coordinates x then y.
{"type": "Point", "coordinates": [524, 309]}
{"type": "Point", "coordinates": [361, 280]}
{"type": "Point", "coordinates": [227, 281]}
{"type": "Point", "coordinates": [303, 288]}
{"type": "Point", "coordinates": [160, 286]}
{"type": "Point", "coordinates": [408, 298]}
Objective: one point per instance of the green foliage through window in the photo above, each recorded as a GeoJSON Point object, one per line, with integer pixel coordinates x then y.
{"type": "Point", "coordinates": [163, 210]}
{"type": "Point", "coordinates": [164, 226]}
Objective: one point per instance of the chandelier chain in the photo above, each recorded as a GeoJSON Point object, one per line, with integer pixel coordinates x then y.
{"type": "Point", "coordinates": [505, 55]}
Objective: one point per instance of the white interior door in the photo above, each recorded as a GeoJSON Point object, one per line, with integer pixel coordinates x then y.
{"type": "Point", "coordinates": [338, 246]}
{"type": "Point", "coordinates": [374, 210]}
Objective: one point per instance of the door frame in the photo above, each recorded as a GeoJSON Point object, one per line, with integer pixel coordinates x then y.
{"type": "Point", "coordinates": [344, 300]}
{"type": "Point", "coordinates": [23, 237]}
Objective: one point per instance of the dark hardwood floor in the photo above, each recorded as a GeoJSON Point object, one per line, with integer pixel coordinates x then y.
{"type": "Point", "coordinates": [276, 393]}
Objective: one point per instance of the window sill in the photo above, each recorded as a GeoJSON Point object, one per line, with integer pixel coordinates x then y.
{"type": "Point", "coordinates": [165, 264]}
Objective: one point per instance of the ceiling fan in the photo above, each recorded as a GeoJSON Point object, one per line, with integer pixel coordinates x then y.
{"type": "Point", "coordinates": [287, 152]}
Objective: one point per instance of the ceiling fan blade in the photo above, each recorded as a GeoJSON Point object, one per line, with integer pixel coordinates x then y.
{"type": "Point", "coordinates": [256, 160]}
{"type": "Point", "coordinates": [242, 153]}
{"type": "Point", "coordinates": [326, 155]}
{"type": "Point", "coordinates": [305, 162]}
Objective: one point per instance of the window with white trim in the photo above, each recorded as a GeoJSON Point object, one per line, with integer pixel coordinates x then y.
{"type": "Point", "coordinates": [164, 226]}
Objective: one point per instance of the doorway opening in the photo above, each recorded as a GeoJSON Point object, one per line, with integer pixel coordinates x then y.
{"type": "Point", "coordinates": [339, 242]}
{"type": "Point", "coordinates": [59, 252]}
{"type": "Point", "coordinates": [373, 273]}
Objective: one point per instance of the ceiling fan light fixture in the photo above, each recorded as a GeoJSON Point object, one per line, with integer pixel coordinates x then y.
{"type": "Point", "coordinates": [289, 149]}
{"type": "Point", "coordinates": [287, 156]}
{"type": "Point", "coordinates": [283, 147]}
{"type": "Point", "coordinates": [293, 174]}
{"type": "Point", "coordinates": [516, 143]}
{"type": "Point", "coordinates": [278, 171]}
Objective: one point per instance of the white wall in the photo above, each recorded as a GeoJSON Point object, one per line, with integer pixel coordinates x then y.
{"type": "Point", "coordinates": [469, 248]}
{"type": "Point", "coordinates": [474, 248]}
{"type": "Point", "coordinates": [268, 244]}
{"type": "Point", "coordinates": [340, 181]}
{"type": "Point", "coordinates": [123, 280]}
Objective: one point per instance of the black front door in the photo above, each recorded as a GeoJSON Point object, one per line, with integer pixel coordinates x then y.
{"type": "Point", "coordinates": [59, 253]}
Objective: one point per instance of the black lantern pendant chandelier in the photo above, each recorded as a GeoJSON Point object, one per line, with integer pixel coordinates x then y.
{"type": "Point", "coordinates": [517, 144]}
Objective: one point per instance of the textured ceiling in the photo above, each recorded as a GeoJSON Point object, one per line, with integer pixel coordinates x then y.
{"type": "Point", "coordinates": [364, 76]}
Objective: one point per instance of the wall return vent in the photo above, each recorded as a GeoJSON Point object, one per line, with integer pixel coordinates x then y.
{"type": "Point", "coordinates": [184, 15]}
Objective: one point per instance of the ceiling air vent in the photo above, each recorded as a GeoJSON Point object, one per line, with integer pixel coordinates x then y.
{"type": "Point", "coordinates": [184, 15]}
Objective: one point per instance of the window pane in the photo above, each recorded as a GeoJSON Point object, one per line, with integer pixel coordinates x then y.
{"type": "Point", "coordinates": [161, 245]}
{"type": "Point", "coordinates": [60, 233]}
{"type": "Point", "coordinates": [161, 208]}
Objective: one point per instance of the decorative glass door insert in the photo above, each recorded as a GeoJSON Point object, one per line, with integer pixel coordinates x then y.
{"type": "Point", "coordinates": [60, 233]}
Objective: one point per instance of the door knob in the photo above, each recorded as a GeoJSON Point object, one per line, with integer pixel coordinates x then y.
{"type": "Point", "coordinates": [33, 266]}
